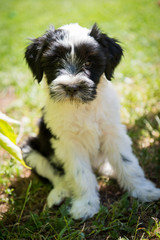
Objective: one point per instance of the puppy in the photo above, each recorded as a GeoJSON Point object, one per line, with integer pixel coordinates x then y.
{"type": "Point", "coordinates": [80, 130]}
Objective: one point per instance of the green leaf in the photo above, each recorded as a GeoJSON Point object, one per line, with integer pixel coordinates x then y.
{"type": "Point", "coordinates": [7, 130]}
{"type": "Point", "coordinates": [13, 150]}
{"type": "Point", "coordinates": [8, 119]}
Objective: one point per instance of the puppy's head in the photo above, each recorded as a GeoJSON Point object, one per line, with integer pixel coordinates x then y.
{"type": "Point", "coordinates": [73, 59]}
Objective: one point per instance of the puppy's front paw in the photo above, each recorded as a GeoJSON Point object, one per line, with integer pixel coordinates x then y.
{"type": "Point", "coordinates": [84, 208]}
{"type": "Point", "coordinates": [147, 192]}
{"type": "Point", "coordinates": [56, 196]}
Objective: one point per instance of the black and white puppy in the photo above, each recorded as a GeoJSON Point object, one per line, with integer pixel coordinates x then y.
{"type": "Point", "coordinates": [80, 131]}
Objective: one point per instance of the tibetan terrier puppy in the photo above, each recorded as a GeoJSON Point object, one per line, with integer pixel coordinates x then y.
{"type": "Point", "coordinates": [80, 130]}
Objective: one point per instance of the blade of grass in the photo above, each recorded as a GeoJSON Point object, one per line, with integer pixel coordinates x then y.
{"type": "Point", "coordinates": [25, 201]}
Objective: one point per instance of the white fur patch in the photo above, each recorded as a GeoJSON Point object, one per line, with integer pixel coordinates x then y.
{"type": "Point", "coordinates": [77, 34]}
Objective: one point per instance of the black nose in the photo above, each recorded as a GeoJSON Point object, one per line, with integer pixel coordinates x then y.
{"type": "Point", "coordinates": [72, 89]}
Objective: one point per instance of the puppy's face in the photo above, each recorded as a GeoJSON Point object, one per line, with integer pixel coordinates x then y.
{"type": "Point", "coordinates": [73, 59]}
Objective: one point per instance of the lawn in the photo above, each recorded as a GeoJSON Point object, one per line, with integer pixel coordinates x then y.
{"type": "Point", "coordinates": [23, 210]}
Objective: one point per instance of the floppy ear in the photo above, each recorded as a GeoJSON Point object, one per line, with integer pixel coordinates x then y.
{"type": "Point", "coordinates": [33, 55]}
{"type": "Point", "coordinates": [112, 49]}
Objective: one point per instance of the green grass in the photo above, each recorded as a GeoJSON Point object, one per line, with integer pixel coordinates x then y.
{"type": "Point", "coordinates": [23, 195]}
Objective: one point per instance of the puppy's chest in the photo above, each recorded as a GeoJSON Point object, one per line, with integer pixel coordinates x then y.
{"type": "Point", "coordinates": [78, 121]}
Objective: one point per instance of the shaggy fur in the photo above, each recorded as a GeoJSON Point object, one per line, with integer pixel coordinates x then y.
{"type": "Point", "coordinates": [80, 131]}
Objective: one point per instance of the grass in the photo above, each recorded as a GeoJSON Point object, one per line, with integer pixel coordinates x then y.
{"type": "Point", "coordinates": [23, 212]}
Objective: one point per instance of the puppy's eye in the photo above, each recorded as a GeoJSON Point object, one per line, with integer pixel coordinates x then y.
{"type": "Point", "coordinates": [87, 64]}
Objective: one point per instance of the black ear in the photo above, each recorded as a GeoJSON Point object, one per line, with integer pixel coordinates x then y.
{"type": "Point", "coordinates": [33, 55]}
{"type": "Point", "coordinates": [112, 49]}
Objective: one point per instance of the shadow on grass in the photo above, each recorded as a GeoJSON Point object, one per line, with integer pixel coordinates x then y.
{"type": "Point", "coordinates": [28, 218]}
{"type": "Point", "coordinates": [145, 135]}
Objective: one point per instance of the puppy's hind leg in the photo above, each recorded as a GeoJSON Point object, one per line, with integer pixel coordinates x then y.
{"type": "Point", "coordinates": [117, 147]}
{"type": "Point", "coordinates": [38, 150]}
{"type": "Point", "coordinates": [37, 162]}
{"type": "Point", "coordinates": [46, 169]}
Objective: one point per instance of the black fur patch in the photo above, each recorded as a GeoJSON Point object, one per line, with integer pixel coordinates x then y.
{"type": "Point", "coordinates": [125, 159]}
{"type": "Point", "coordinates": [41, 143]}
{"type": "Point", "coordinates": [94, 56]}
{"type": "Point", "coordinates": [111, 48]}
{"type": "Point", "coordinates": [53, 60]}
{"type": "Point", "coordinates": [58, 168]}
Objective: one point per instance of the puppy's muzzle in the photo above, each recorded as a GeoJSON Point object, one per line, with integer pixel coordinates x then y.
{"type": "Point", "coordinates": [75, 88]}
{"type": "Point", "coordinates": [72, 89]}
